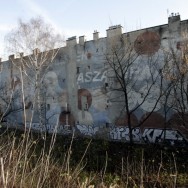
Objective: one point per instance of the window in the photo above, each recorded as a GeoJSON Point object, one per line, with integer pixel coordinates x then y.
{"type": "Point", "coordinates": [1, 67]}
{"type": "Point", "coordinates": [78, 70]}
{"type": "Point", "coordinates": [48, 107]}
{"type": "Point", "coordinates": [107, 125]}
{"type": "Point", "coordinates": [86, 107]}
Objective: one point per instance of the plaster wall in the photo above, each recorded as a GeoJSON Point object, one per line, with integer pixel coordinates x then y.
{"type": "Point", "coordinates": [77, 86]}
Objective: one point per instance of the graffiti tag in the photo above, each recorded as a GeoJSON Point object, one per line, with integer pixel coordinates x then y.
{"type": "Point", "coordinates": [122, 133]}
{"type": "Point", "coordinates": [159, 135]}
{"type": "Point", "coordinates": [87, 130]}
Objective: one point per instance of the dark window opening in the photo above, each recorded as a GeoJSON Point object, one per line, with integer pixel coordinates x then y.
{"type": "Point", "coordinates": [107, 125]}
{"type": "Point", "coordinates": [107, 104]}
{"type": "Point", "coordinates": [1, 67]}
{"type": "Point", "coordinates": [48, 106]}
{"type": "Point", "coordinates": [78, 70]}
{"type": "Point", "coordinates": [106, 84]}
{"type": "Point", "coordinates": [86, 107]}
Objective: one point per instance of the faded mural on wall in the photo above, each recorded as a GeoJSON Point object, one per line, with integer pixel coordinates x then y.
{"type": "Point", "coordinates": [100, 107]}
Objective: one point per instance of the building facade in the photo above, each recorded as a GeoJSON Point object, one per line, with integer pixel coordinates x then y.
{"type": "Point", "coordinates": [107, 87]}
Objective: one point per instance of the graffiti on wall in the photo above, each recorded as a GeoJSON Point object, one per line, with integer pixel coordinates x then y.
{"type": "Point", "coordinates": [149, 135]}
{"type": "Point", "coordinates": [122, 133]}
{"type": "Point", "coordinates": [87, 130]}
{"type": "Point", "coordinates": [66, 129]}
{"type": "Point", "coordinates": [159, 135]}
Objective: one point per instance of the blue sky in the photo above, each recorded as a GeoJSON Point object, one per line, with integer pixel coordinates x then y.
{"type": "Point", "coordinates": [82, 17]}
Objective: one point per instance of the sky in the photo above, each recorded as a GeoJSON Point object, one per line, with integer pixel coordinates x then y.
{"type": "Point", "coordinates": [82, 17]}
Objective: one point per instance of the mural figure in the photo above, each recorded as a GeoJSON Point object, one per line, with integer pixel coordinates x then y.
{"type": "Point", "coordinates": [55, 97]}
{"type": "Point", "coordinates": [84, 103]}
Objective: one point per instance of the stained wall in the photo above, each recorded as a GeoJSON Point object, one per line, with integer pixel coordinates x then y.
{"type": "Point", "coordinates": [78, 94]}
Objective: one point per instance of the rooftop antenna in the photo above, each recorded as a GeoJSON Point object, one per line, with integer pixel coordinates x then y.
{"type": "Point", "coordinates": [125, 26]}
{"type": "Point", "coordinates": [140, 23]}
{"type": "Point", "coordinates": [110, 21]}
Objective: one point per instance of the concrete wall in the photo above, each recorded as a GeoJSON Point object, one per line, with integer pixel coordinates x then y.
{"type": "Point", "coordinates": [80, 96]}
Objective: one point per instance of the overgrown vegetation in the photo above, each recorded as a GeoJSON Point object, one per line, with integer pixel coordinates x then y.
{"type": "Point", "coordinates": [27, 160]}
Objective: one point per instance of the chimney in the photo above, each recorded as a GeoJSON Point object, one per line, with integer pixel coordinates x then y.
{"type": "Point", "coordinates": [95, 35]}
{"type": "Point", "coordinates": [174, 22]}
{"type": "Point", "coordinates": [81, 40]}
{"type": "Point", "coordinates": [71, 41]}
{"type": "Point", "coordinates": [114, 31]}
{"type": "Point", "coordinates": [21, 54]}
{"type": "Point", "coordinates": [174, 17]}
{"type": "Point", "coordinates": [11, 57]}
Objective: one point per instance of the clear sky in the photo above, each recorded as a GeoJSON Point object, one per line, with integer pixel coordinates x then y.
{"type": "Point", "coordinates": [82, 17]}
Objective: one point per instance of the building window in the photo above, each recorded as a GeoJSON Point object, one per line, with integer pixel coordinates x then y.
{"type": "Point", "coordinates": [78, 70]}
{"type": "Point", "coordinates": [1, 67]}
{"type": "Point", "coordinates": [106, 84]}
{"type": "Point", "coordinates": [48, 107]}
{"type": "Point", "coordinates": [107, 125]}
{"type": "Point", "coordinates": [86, 107]}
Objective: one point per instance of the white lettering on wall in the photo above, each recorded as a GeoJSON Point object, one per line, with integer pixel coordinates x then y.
{"type": "Point", "coordinates": [95, 76]}
{"type": "Point", "coordinates": [158, 135]}
{"type": "Point", "coordinates": [149, 135]}
{"type": "Point", "coordinates": [122, 133]}
{"type": "Point", "coordinates": [87, 129]}
{"type": "Point", "coordinates": [88, 77]}
{"type": "Point", "coordinates": [80, 78]}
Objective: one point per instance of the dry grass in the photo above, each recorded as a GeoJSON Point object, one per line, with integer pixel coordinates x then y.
{"type": "Point", "coordinates": [24, 165]}
{"type": "Point", "coordinates": [27, 161]}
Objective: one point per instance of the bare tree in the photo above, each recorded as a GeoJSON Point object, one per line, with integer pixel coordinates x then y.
{"type": "Point", "coordinates": [136, 81]}
{"type": "Point", "coordinates": [40, 44]}
{"type": "Point", "coordinates": [9, 102]}
{"type": "Point", "coordinates": [177, 73]}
